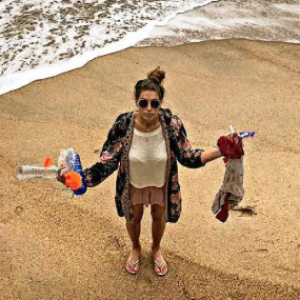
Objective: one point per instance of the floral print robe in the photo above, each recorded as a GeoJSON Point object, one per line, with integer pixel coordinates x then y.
{"type": "Point", "coordinates": [115, 153]}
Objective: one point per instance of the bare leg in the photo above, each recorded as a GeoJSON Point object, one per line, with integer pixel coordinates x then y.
{"type": "Point", "coordinates": [158, 228]}
{"type": "Point", "coordinates": [134, 229]}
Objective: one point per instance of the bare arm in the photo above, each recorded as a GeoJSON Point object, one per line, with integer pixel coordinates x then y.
{"type": "Point", "coordinates": [210, 154]}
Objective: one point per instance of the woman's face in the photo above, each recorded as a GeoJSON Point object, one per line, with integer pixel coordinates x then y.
{"type": "Point", "coordinates": [149, 113]}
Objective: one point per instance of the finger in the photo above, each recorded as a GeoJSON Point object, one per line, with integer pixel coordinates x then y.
{"type": "Point", "coordinates": [62, 165]}
{"type": "Point", "coordinates": [62, 171]}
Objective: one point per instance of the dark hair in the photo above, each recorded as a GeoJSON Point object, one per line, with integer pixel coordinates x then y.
{"type": "Point", "coordinates": [153, 82]}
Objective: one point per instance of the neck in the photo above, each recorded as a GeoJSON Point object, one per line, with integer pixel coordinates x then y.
{"type": "Point", "coordinates": [145, 124]}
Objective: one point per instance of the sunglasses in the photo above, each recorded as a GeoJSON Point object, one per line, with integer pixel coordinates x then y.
{"type": "Point", "coordinates": [144, 103]}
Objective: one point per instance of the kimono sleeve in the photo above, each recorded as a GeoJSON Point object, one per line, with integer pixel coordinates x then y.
{"type": "Point", "coordinates": [187, 155]}
{"type": "Point", "coordinates": [109, 158]}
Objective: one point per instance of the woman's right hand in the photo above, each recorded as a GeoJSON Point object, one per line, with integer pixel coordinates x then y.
{"type": "Point", "coordinates": [62, 170]}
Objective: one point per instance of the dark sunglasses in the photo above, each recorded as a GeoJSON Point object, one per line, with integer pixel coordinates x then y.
{"type": "Point", "coordinates": [144, 103]}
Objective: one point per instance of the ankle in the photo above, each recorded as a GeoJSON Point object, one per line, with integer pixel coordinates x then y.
{"type": "Point", "coordinates": [137, 247]}
{"type": "Point", "coordinates": [155, 248]}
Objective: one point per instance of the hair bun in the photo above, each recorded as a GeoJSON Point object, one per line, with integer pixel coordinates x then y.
{"type": "Point", "coordinates": [157, 75]}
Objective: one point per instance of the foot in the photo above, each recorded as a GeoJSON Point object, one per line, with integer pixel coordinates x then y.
{"type": "Point", "coordinates": [160, 265]}
{"type": "Point", "coordinates": [132, 265]}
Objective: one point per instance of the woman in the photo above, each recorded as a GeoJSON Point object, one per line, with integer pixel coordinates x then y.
{"type": "Point", "coordinates": [145, 145]}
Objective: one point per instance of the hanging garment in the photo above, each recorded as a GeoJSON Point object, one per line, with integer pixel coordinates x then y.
{"type": "Point", "coordinates": [231, 191]}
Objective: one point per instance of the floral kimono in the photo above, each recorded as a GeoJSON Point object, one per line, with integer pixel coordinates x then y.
{"type": "Point", "coordinates": [115, 155]}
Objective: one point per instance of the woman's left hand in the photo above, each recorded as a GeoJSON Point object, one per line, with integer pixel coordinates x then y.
{"type": "Point", "coordinates": [231, 146]}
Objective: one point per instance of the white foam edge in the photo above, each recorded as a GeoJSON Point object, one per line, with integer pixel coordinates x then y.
{"type": "Point", "coordinates": [17, 80]}
{"type": "Point", "coordinates": [217, 38]}
{"type": "Point", "coordinates": [5, 3]}
{"type": "Point", "coordinates": [292, 8]}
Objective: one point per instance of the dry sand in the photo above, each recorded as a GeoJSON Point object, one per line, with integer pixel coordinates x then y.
{"type": "Point", "coordinates": [53, 247]}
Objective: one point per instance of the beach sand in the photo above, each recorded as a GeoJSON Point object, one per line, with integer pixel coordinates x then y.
{"type": "Point", "coordinates": [54, 247]}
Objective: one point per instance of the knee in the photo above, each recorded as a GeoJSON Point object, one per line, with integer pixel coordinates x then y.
{"type": "Point", "coordinates": [137, 219]}
{"type": "Point", "coordinates": [157, 218]}
{"type": "Point", "coordinates": [157, 214]}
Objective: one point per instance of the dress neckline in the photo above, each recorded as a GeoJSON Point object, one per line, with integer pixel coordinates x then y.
{"type": "Point", "coordinates": [151, 133]}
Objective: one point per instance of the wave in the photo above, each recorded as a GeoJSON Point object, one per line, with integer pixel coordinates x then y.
{"type": "Point", "coordinates": [254, 20]}
{"type": "Point", "coordinates": [43, 39]}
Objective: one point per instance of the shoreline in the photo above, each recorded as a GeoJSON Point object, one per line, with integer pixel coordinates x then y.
{"type": "Point", "coordinates": [50, 38]}
{"type": "Point", "coordinates": [50, 71]}
{"type": "Point", "coordinates": [251, 85]}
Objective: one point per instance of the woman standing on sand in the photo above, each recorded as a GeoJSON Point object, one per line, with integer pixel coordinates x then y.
{"type": "Point", "coordinates": [145, 146]}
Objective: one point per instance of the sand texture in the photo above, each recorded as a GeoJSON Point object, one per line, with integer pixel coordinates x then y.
{"type": "Point", "coordinates": [54, 247]}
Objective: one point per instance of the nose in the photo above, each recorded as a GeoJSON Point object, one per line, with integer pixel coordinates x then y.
{"type": "Point", "coordinates": [149, 107]}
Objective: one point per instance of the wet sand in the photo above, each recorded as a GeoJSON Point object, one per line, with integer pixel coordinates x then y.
{"type": "Point", "coordinates": [54, 247]}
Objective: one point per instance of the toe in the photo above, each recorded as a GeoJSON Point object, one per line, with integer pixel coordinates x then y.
{"type": "Point", "coordinates": [160, 267]}
{"type": "Point", "coordinates": [132, 266]}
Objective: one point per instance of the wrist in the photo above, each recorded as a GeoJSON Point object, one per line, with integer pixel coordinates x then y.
{"type": "Point", "coordinates": [210, 154]}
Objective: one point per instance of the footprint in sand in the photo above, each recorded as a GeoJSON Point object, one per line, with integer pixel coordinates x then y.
{"type": "Point", "coordinates": [19, 210]}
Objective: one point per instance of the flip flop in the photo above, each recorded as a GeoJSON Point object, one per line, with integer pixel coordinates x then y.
{"type": "Point", "coordinates": [133, 263]}
{"type": "Point", "coordinates": [160, 265]}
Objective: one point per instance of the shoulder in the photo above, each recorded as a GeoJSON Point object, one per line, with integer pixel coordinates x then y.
{"type": "Point", "coordinates": [170, 118]}
{"type": "Point", "coordinates": [124, 116]}
{"type": "Point", "coordinates": [121, 124]}
{"type": "Point", "coordinates": [124, 119]}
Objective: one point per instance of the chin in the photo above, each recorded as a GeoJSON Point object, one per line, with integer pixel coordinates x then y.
{"type": "Point", "coordinates": [149, 117]}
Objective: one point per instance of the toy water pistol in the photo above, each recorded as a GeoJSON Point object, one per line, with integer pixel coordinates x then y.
{"type": "Point", "coordinates": [74, 178]}
{"type": "Point", "coordinates": [242, 134]}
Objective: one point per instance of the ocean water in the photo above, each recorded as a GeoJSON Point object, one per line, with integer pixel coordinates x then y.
{"type": "Point", "coordinates": [41, 39]}
{"type": "Point", "coordinates": [255, 20]}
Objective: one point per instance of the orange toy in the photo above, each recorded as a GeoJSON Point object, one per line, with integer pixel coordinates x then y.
{"type": "Point", "coordinates": [73, 179]}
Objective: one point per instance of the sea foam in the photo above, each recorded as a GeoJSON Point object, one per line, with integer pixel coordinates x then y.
{"type": "Point", "coordinates": [41, 39]}
{"type": "Point", "coordinates": [254, 20]}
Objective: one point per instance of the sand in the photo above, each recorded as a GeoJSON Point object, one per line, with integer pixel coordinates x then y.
{"type": "Point", "coordinates": [54, 247]}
